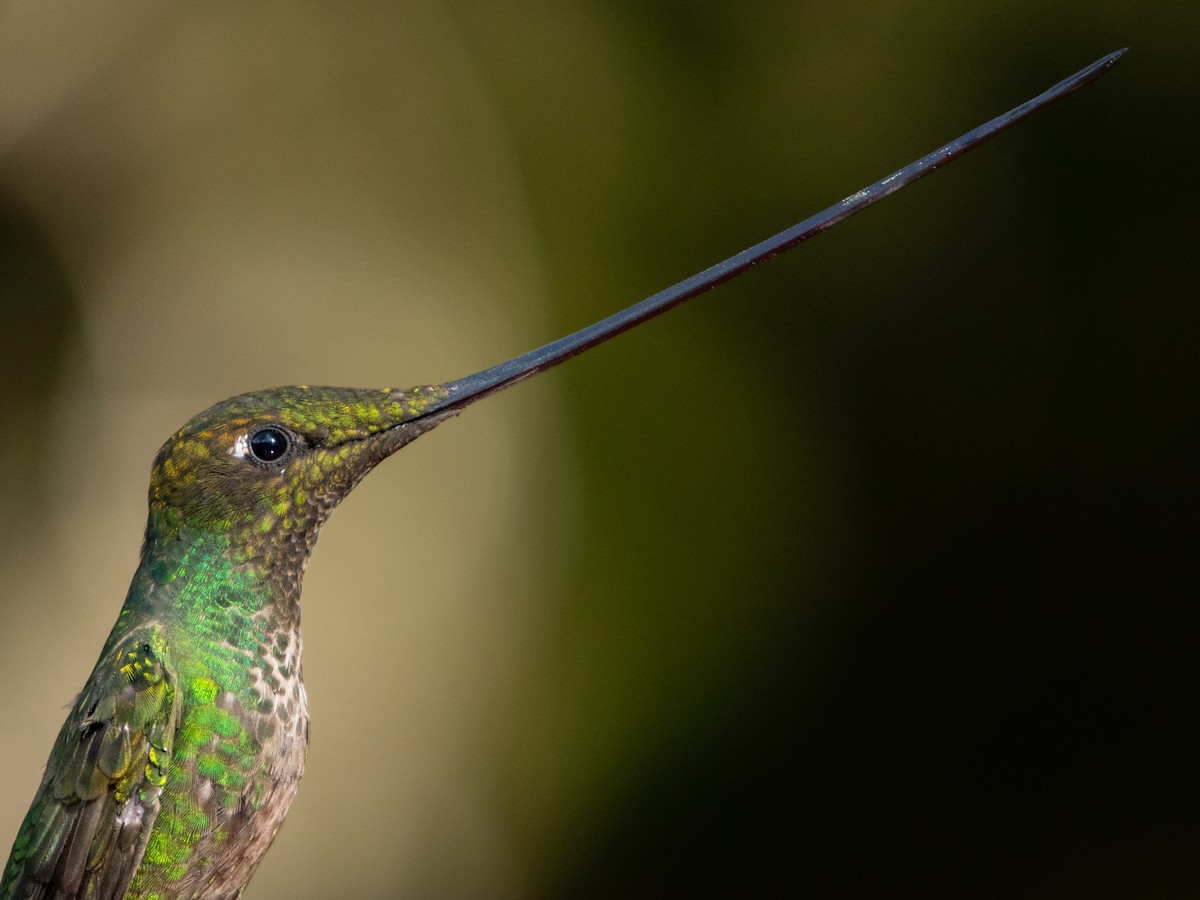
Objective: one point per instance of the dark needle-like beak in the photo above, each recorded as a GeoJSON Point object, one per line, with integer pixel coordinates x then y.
{"type": "Point", "coordinates": [465, 391]}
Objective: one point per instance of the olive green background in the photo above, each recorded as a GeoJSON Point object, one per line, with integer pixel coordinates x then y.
{"type": "Point", "coordinates": [872, 573]}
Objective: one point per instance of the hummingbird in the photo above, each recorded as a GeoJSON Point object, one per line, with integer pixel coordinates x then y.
{"type": "Point", "coordinates": [180, 757]}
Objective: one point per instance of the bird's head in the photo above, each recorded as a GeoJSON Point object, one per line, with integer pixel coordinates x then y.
{"type": "Point", "coordinates": [271, 465]}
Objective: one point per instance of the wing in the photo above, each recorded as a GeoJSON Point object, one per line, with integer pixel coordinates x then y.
{"type": "Point", "coordinates": [89, 824]}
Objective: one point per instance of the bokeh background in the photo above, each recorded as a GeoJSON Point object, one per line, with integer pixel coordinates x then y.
{"type": "Point", "coordinates": [874, 572]}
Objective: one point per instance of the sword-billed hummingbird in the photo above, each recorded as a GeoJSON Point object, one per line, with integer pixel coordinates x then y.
{"type": "Point", "coordinates": [181, 756]}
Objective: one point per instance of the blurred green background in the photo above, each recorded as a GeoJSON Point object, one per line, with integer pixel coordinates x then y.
{"type": "Point", "coordinates": [873, 573]}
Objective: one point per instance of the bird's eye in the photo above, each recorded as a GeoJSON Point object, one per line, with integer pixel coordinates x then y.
{"type": "Point", "coordinates": [270, 444]}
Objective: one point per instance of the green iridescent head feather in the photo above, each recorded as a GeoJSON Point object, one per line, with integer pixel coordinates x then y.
{"type": "Point", "coordinates": [208, 477]}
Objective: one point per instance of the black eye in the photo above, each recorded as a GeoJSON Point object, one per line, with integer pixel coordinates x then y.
{"type": "Point", "coordinates": [270, 443]}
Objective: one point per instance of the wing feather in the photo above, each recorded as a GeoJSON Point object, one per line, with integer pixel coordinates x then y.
{"type": "Point", "coordinates": [90, 822]}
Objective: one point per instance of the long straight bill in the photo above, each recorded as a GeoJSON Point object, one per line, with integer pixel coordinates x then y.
{"type": "Point", "coordinates": [464, 391]}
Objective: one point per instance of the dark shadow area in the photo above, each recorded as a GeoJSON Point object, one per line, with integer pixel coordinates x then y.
{"type": "Point", "coordinates": [39, 321]}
